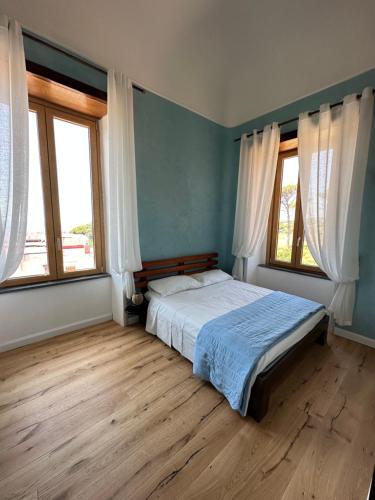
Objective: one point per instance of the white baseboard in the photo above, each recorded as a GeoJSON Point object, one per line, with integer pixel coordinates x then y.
{"type": "Point", "coordinates": [53, 332]}
{"type": "Point", "coordinates": [355, 337]}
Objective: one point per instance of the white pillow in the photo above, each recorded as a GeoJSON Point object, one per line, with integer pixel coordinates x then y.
{"type": "Point", "coordinates": [173, 284]}
{"type": "Point", "coordinates": [211, 277]}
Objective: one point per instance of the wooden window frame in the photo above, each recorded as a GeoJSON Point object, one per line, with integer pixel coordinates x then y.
{"type": "Point", "coordinates": [46, 111]}
{"type": "Point", "coordinates": [58, 94]}
{"type": "Point", "coordinates": [287, 149]}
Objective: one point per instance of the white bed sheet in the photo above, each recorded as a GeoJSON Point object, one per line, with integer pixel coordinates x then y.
{"type": "Point", "coordinates": [177, 319]}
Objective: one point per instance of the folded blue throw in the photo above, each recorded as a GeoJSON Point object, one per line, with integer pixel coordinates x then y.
{"type": "Point", "coordinates": [228, 348]}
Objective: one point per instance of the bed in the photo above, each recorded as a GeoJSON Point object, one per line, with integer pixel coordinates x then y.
{"type": "Point", "coordinates": [177, 320]}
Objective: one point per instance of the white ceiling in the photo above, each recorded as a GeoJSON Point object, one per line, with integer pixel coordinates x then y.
{"type": "Point", "coordinates": [229, 60]}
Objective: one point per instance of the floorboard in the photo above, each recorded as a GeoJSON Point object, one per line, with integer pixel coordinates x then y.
{"type": "Point", "coordinates": [111, 412]}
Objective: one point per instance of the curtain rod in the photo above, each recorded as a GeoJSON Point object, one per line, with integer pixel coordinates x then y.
{"type": "Point", "coordinates": [291, 120]}
{"type": "Point", "coordinates": [50, 45]}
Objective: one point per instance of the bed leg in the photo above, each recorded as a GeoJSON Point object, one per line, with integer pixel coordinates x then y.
{"type": "Point", "coordinates": [322, 339]}
{"type": "Point", "coordinates": [259, 400]}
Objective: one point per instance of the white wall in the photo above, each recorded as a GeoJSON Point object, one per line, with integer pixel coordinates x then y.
{"type": "Point", "coordinates": [313, 288]}
{"type": "Point", "coordinates": [320, 290]}
{"type": "Point", "coordinates": [30, 315]}
{"type": "Point", "coordinates": [33, 314]}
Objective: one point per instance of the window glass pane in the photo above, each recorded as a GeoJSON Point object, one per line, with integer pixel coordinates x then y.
{"type": "Point", "coordinates": [35, 260]}
{"type": "Point", "coordinates": [287, 209]}
{"type": "Point", "coordinates": [72, 144]}
{"type": "Point", "coordinates": [307, 258]}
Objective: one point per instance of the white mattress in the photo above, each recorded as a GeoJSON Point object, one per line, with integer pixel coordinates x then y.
{"type": "Point", "coordinates": [177, 319]}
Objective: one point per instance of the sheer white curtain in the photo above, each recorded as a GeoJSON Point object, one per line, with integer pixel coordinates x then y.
{"type": "Point", "coordinates": [124, 251]}
{"type": "Point", "coordinates": [333, 149]}
{"type": "Point", "coordinates": [256, 178]}
{"type": "Point", "coordinates": [14, 147]}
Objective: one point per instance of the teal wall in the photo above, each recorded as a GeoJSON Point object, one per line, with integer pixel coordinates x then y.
{"type": "Point", "coordinates": [187, 170]}
{"type": "Point", "coordinates": [57, 61]}
{"type": "Point", "coordinates": [179, 158]}
{"type": "Point", "coordinates": [364, 313]}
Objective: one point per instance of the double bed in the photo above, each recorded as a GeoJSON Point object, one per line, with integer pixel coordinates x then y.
{"type": "Point", "coordinates": [177, 319]}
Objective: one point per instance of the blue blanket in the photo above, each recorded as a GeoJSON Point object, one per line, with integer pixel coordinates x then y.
{"type": "Point", "coordinates": [229, 347]}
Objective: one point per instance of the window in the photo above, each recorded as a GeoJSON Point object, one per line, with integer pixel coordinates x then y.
{"type": "Point", "coordinates": [287, 247]}
{"type": "Point", "coordinates": [64, 223]}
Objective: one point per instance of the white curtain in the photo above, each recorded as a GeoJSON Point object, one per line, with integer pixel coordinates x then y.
{"type": "Point", "coordinates": [125, 257]}
{"type": "Point", "coordinates": [256, 178]}
{"type": "Point", "coordinates": [14, 147]}
{"type": "Point", "coordinates": [333, 148]}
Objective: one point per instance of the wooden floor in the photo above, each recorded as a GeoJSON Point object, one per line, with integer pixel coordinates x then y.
{"type": "Point", "coordinates": [110, 412]}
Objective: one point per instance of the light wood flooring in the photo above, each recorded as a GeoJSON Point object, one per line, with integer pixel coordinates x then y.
{"type": "Point", "coordinates": [111, 412]}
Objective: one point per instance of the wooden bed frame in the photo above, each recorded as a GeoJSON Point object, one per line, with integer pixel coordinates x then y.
{"type": "Point", "coordinates": [189, 264]}
{"type": "Point", "coordinates": [270, 378]}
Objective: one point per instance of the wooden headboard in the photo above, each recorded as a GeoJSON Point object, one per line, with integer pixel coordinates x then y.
{"type": "Point", "coordinates": [187, 264]}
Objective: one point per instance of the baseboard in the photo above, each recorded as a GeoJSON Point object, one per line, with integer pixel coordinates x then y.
{"type": "Point", "coordinates": [355, 337]}
{"type": "Point", "coordinates": [53, 332]}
